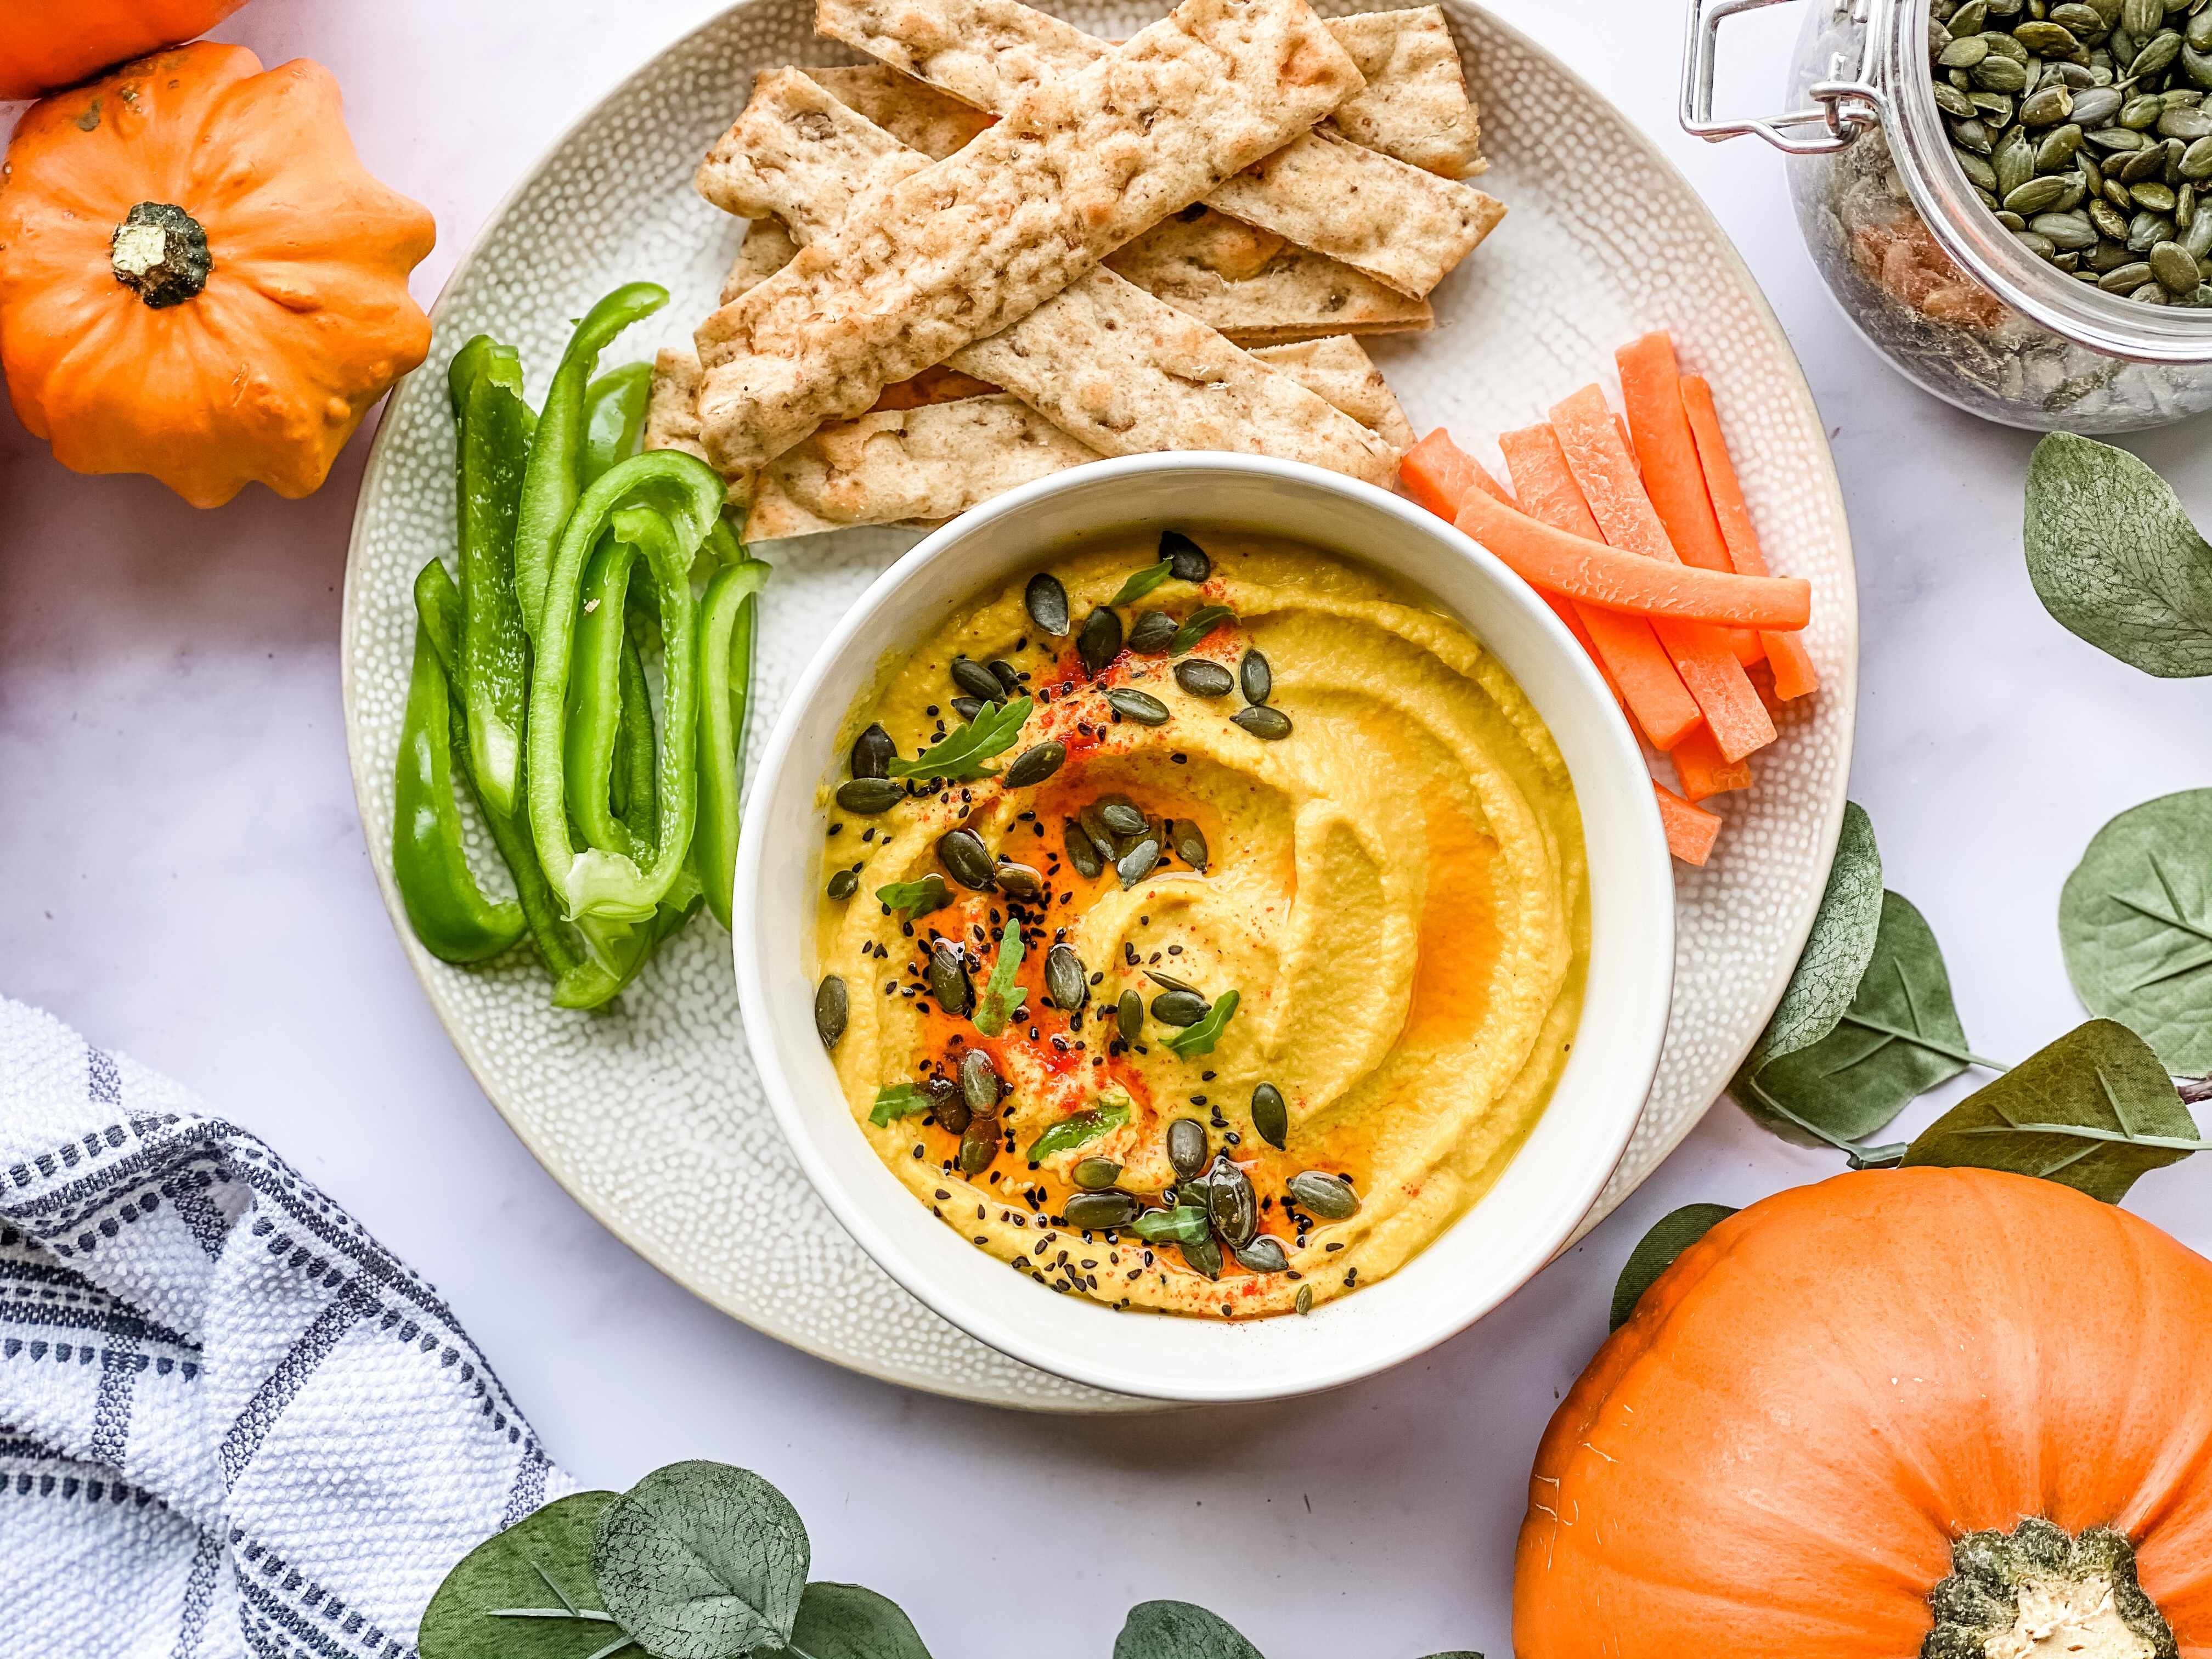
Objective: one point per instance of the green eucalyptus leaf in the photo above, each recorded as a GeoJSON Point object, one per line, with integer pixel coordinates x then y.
{"type": "Point", "coordinates": [2094, 1111]}
{"type": "Point", "coordinates": [1143, 582]}
{"type": "Point", "coordinates": [849, 1621]}
{"type": "Point", "coordinates": [965, 748]}
{"type": "Point", "coordinates": [2115, 560]}
{"type": "Point", "coordinates": [2135, 920]}
{"type": "Point", "coordinates": [1899, 1038]}
{"type": "Point", "coordinates": [702, 1561]}
{"type": "Point", "coordinates": [916, 898]}
{"type": "Point", "coordinates": [1177, 1630]}
{"type": "Point", "coordinates": [1082, 1128]}
{"type": "Point", "coordinates": [1671, 1235]}
{"type": "Point", "coordinates": [536, 1563]}
{"type": "Point", "coordinates": [1836, 952]}
{"type": "Point", "coordinates": [1002, 993]}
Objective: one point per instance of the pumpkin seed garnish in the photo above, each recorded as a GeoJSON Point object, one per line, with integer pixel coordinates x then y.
{"type": "Point", "coordinates": [831, 1006]}
{"type": "Point", "coordinates": [1100, 642]}
{"type": "Point", "coordinates": [1204, 1256]}
{"type": "Point", "coordinates": [1188, 559]}
{"type": "Point", "coordinates": [1045, 600]}
{"type": "Point", "coordinates": [1081, 852]}
{"type": "Point", "coordinates": [1264, 1254]}
{"type": "Point", "coordinates": [1202, 679]}
{"type": "Point", "coordinates": [976, 680]}
{"type": "Point", "coordinates": [1264, 721]}
{"type": "Point", "coordinates": [946, 976]}
{"type": "Point", "coordinates": [1152, 633]}
{"type": "Point", "coordinates": [1122, 817]}
{"type": "Point", "coordinates": [1018, 880]}
{"type": "Point", "coordinates": [1256, 679]}
{"type": "Point", "coordinates": [969, 707]}
{"type": "Point", "coordinates": [1271, 1117]}
{"type": "Point", "coordinates": [1304, 1302]}
{"type": "Point", "coordinates": [869, 796]}
{"type": "Point", "coordinates": [1066, 981]}
{"type": "Point", "coordinates": [1129, 1017]}
{"type": "Point", "coordinates": [963, 853]}
{"type": "Point", "coordinates": [1096, 1174]}
{"type": "Point", "coordinates": [1187, 1147]}
{"type": "Point", "coordinates": [1137, 862]}
{"type": "Point", "coordinates": [1141, 706]}
{"type": "Point", "coordinates": [1188, 842]}
{"type": "Point", "coordinates": [1230, 1203]}
{"type": "Point", "coordinates": [1179, 1008]}
{"type": "Point", "coordinates": [979, 1143]}
{"type": "Point", "coordinates": [873, 752]}
{"type": "Point", "coordinates": [844, 884]}
{"type": "Point", "coordinates": [1034, 765]}
{"type": "Point", "coordinates": [1169, 982]}
{"type": "Point", "coordinates": [980, 1082]}
{"type": "Point", "coordinates": [1102, 1211]}
{"type": "Point", "coordinates": [1323, 1194]}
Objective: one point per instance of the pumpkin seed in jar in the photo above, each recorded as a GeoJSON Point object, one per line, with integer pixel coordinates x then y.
{"type": "Point", "coordinates": [1969, 19]}
{"type": "Point", "coordinates": [1271, 1117]}
{"type": "Point", "coordinates": [2014, 161]}
{"type": "Point", "coordinates": [2141, 113]}
{"type": "Point", "coordinates": [2036, 196]}
{"type": "Point", "coordinates": [1204, 679]}
{"type": "Point", "coordinates": [2186, 125]}
{"type": "Point", "coordinates": [2196, 160]}
{"type": "Point", "coordinates": [1100, 642]}
{"type": "Point", "coordinates": [2147, 230]}
{"type": "Point", "coordinates": [873, 752]}
{"type": "Point", "coordinates": [976, 680]}
{"type": "Point", "coordinates": [2065, 230]}
{"type": "Point", "coordinates": [1099, 1213]}
{"type": "Point", "coordinates": [1187, 1148]}
{"type": "Point", "coordinates": [2197, 239]}
{"type": "Point", "coordinates": [1979, 173]}
{"type": "Point", "coordinates": [1045, 600]}
{"type": "Point", "coordinates": [2142, 17]}
{"type": "Point", "coordinates": [2046, 107]}
{"type": "Point", "coordinates": [1973, 136]}
{"type": "Point", "coordinates": [1081, 851]}
{"type": "Point", "coordinates": [2152, 196]}
{"type": "Point", "coordinates": [1187, 560]}
{"type": "Point", "coordinates": [1138, 706]}
{"type": "Point", "coordinates": [2127, 278]}
{"type": "Point", "coordinates": [2096, 106]}
{"type": "Point", "coordinates": [869, 796]}
{"type": "Point", "coordinates": [2176, 271]}
{"type": "Point", "coordinates": [2116, 140]}
{"type": "Point", "coordinates": [2146, 163]}
{"type": "Point", "coordinates": [2078, 19]}
{"type": "Point", "coordinates": [1952, 101]}
{"type": "Point", "coordinates": [2163, 48]}
{"type": "Point", "coordinates": [1129, 1017]}
{"type": "Point", "coordinates": [1153, 633]}
{"type": "Point", "coordinates": [1189, 842]}
{"type": "Point", "coordinates": [1320, 1194]}
{"type": "Point", "coordinates": [1137, 862]}
{"type": "Point", "coordinates": [1265, 1254]}
{"type": "Point", "coordinates": [1095, 1175]}
{"type": "Point", "coordinates": [963, 853]}
{"type": "Point", "coordinates": [1964, 53]}
{"type": "Point", "coordinates": [1263, 720]}
{"type": "Point", "coordinates": [2047, 39]}
{"type": "Point", "coordinates": [1995, 73]}
{"type": "Point", "coordinates": [2076, 187]}
{"type": "Point", "coordinates": [946, 978]}
{"type": "Point", "coordinates": [1033, 766]}
{"type": "Point", "coordinates": [2109, 221]}
{"type": "Point", "coordinates": [1066, 981]}
{"type": "Point", "coordinates": [832, 1004]}
{"type": "Point", "coordinates": [2197, 36]}
{"type": "Point", "coordinates": [2196, 65]}
{"type": "Point", "coordinates": [2057, 149]}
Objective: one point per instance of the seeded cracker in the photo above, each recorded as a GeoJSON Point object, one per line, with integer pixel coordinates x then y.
{"type": "Point", "coordinates": [1414, 106]}
{"type": "Point", "coordinates": [972, 243]}
{"type": "Point", "coordinates": [1402, 225]}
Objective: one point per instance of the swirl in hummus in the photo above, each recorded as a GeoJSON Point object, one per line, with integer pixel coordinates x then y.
{"type": "Point", "coordinates": [1381, 860]}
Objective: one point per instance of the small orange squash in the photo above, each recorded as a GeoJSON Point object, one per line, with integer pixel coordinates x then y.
{"type": "Point", "coordinates": [198, 279]}
{"type": "Point", "coordinates": [44, 44]}
{"type": "Point", "coordinates": [1832, 1407]}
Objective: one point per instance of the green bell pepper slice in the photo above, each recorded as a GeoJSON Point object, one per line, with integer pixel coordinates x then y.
{"type": "Point", "coordinates": [596, 702]}
{"type": "Point", "coordinates": [665, 503]}
{"type": "Point", "coordinates": [728, 621]}
{"type": "Point", "coordinates": [493, 425]}
{"type": "Point", "coordinates": [614, 419]}
{"type": "Point", "coordinates": [554, 477]}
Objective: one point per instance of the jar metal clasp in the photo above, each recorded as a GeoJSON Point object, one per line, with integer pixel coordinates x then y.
{"type": "Point", "coordinates": [1845, 104]}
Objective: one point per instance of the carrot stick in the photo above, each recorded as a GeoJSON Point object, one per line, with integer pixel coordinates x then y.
{"type": "Point", "coordinates": [1607, 472]}
{"type": "Point", "coordinates": [1690, 829]}
{"type": "Point", "coordinates": [1626, 646]}
{"type": "Point", "coordinates": [1667, 450]}
{"type": "Point", "coordinates": [1591, 573]}
{"type": "Point", "coordinates": [1439, 474]}
{"type": "Point", "coordinates": [1703, 772]}
{"type": "Point", "coordinates": [1794, 675]}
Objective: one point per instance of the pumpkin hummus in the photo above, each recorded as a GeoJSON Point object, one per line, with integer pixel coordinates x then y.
{"type": "Point", "coordinates": [1252, 962]}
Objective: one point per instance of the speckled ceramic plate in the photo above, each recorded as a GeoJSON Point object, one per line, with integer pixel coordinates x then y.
{"type": "Point", "coordinates": [653, 1116]}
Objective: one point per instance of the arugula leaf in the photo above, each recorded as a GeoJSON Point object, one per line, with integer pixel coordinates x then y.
{"type": "Point", "coordinates": [917, 898]}
{"type": "Point", "coordinates": [1899, 1038]}
{"type": "Point", "coordinates": [540, 1565]}
{"type": "Point", "coordinates": [1197, 625]}
{"type": "Point", "coordinates": [848, 1621]}
{"type": "Point", "coordinates": [1002, 991]}
{"type": "Point", "coordinates": [1199, 1039]}
{"type": "Point", "coordinates": [897, 1100]}
{"type": "Point", "coordinates": [963, 751]}
{"type": "Point", "coordinates": [1184, 1225]}
{"type": "Point", "coordinates": [1080, 1130]}
{"type": "Point", "coordinates": [1143, 582]}
{"type": "Point", "coordinates": [1177, 1630]}
{"type": "Point", "coordinates": [702, 1561]}
{"type": "Point", "coordinates": [2094, 1111]}
{"type": "Point", "coordinates": [1837, 950]}
{"type": "Point", "coordinates": [2115, 560]}
{"type": "Point", "coordinates": [1671, 1235]}
{"type": "Point", "coordinates": [2136, 921]}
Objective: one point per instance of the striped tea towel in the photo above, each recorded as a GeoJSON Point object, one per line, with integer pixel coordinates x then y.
{"type": "Point", "coordinates": [230, 1423]}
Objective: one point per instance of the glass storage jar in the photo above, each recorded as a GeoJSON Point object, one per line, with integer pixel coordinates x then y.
{"type": "Point", "coordinates": [1916, 259]}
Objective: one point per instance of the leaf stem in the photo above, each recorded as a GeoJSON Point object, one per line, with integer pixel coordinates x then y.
{"type": "Point", "coordinates": [1964, 1056]}
{"type": "Point", "coordinates": [1861, 1157]}
{"type": "Point", "coordinates": [2195, 1090]}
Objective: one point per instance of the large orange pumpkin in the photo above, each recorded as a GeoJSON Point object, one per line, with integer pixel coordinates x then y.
{"type": "Point", "coordinates": [198, 279]}
{"type": "Point", "coordinates": [45, 44]}
{"type": "Point", "coordinates": [1831, 1403]}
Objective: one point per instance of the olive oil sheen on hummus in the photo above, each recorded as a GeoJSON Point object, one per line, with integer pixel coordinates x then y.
{"type": "Point", "coordinates": [1205, 923]}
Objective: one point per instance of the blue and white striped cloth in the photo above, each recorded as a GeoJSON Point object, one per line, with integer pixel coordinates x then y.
{"type": "Point", "coordinates": [231, 1423]}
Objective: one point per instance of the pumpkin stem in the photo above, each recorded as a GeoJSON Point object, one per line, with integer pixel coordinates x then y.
{"type": "Point", "coordinates": [2008, 1596]}
{"type": "Point", "coordinates": [160, 253]}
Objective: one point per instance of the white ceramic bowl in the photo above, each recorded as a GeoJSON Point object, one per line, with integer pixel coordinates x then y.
{"type": "Point", "coordinates": [1550, 1185]}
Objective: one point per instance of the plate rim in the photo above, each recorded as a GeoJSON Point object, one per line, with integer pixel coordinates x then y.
{"type": "Point", "coordinates": [354, 607]}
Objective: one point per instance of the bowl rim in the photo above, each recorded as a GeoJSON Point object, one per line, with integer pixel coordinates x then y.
{"type": "Point", "coordinates": [1641, 1040]}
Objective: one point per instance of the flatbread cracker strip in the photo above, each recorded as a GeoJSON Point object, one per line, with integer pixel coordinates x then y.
{"type": "Point", "coordinates": [1338, 370]}
{"type": "Point", "coordinates": [1123, 372]}
{"type": "Point", "coordinates": [671, 410]}
{"type": "Point", "coordinates": [912, 112]}
{"type": "Point", "coordinates": [767, 249]}
{"type": "Point", "coordinates": [1401, 226]}
{"type": "Point", "coordinates": [1414, 106]}
{"type": "Point", "coordinates": [1252, 286]}
{"type": "Point", "coordinates": [790, 120]}
{"type": "Point", "coordinates": [972, 243]}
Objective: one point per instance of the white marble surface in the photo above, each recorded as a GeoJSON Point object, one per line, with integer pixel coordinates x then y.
{"type": "Point", "coordinates": [186, 880]}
